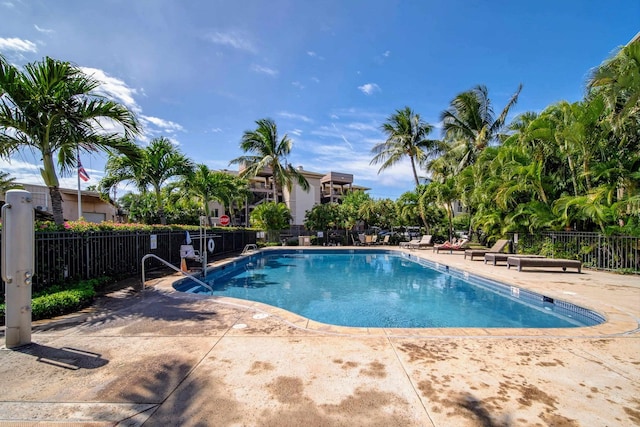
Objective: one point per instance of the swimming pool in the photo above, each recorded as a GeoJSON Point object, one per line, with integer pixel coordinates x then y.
{"type": "Point", "coordinates": [383, 288]}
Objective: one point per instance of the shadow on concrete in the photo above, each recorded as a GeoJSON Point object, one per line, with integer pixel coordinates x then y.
{"type": "Point", "coordinates": [481, 413]}
{"type": "Point", "coordinates": [199, 401]}
{"type": "Point", "coordinates": [64, 357]}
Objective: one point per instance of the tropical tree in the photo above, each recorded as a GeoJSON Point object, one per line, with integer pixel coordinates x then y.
{"type": "Point", "coordinates": [53, 108]}
{"type": "Point", "coordinates": [445, 194]}
{"type": "Point", "coordinates": [272, 217]}
{"type": "Point", "coordinates": [406, 138]}
{"type": "Point", "coordinates": [207, 185]}
{"type": "Point", "coordinates": [325, 216]}
{"type": "Point", "coordinates": [268, 151]}
{"type": "Point", "coordinates": [7, 183]}
{"type": "Point", "coordinates": [470, 126]}
{"type": "Point", "coordinates": [157, 163]}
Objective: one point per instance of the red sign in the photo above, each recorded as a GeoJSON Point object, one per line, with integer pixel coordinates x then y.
{"type": "Point", "coordinates": [225, 220]}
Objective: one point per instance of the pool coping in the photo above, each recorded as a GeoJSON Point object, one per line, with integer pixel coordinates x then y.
{"type": "Point", "coordinates": [617, 321]}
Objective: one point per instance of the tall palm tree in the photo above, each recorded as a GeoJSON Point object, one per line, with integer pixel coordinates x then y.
{"type": "Point", "coordinates": [469, 124]}
{"type": "Point", "coordinates": [52, 107]}
{"type": "Point", "coordinates": [157, 164]}
{"type": "Point", "coordinates": [406, 137]}
{"type": "Point", "coordinates": [268, 151]}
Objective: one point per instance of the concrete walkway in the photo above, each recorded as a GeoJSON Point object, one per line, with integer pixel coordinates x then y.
{"type": "Point", "coordinates": [162, 358]}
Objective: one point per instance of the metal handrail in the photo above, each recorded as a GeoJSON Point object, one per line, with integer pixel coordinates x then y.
{"type": "Point", "coordinates": [249, 247]}
{"type": "Point", "coordinates": [198, 281]}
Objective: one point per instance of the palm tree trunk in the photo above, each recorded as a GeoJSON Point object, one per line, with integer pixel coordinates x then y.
{"type": "Point", "coordinates": [415, 173]}
{"type": "Point", "coordinates": [163, 218]}
{"type": "Point", "coordinates": [56, 205]}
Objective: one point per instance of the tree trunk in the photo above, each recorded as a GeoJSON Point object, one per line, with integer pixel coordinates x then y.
{"type": "Point", "coordinates": [163, 218]}
{"type": "Point", "coordinates": [56, 205]}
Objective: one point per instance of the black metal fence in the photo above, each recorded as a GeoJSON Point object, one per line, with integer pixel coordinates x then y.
{"type": "Point", "coordinates": [62, 257]}
{"type": "Point", "coordinates": [611, 253]}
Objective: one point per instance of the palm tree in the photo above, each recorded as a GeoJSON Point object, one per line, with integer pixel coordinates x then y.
{"type": "Point", "coordinates": [470, 126]}
{"type": "Point", "coordinates": [208, 185]}
{"type": "Point", "coordinates": [7, 183]}
{"type": "Point", "coordinates": [157, 164]}
{"type": "Point", "coordinates": [272, 217]}
{"type": "Point", "coordinates": [269, 152]}
{"type": "Point", "coordinates": [52, 108]}
{"type": "Point", "coordinates": [406, 137]}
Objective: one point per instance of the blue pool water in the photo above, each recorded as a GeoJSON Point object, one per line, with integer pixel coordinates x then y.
{"type": "Point", "coordinates": [378, 288]}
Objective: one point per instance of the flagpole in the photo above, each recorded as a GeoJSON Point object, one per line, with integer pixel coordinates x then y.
{"type": "Point", "coordinates": [79, 191]}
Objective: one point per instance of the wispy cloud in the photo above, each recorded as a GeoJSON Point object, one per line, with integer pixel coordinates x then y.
{"type": "Point", "coordinates": [165, 125]}
{"type": "Point", "coordinates": [315, 55]}
{"type": "Point", "coordinates": [369, 88]}
{"type": "Point", "coordinates": [294, 116]}
{"type": "Point", "coordinates": [17, 45]}
{"type": "Point", "coordinates": [232, 39]}
{"type": "Point", "coordinates": [44, 30]}
{"type": "Point", "coordinates": [386, 53]}
{"type": "Point", "coordinates": [264, 70]}
{"type": "Point", "coordinates": [298, 85]}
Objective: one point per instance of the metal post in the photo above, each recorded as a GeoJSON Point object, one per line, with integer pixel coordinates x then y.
{"type": "Point", "coordinates": [18, 238]}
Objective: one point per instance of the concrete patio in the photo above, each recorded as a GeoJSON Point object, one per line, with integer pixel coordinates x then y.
{"type": "Point", "coordinates": [162, 358]}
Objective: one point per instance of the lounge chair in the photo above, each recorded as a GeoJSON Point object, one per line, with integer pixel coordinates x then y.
{"type": "Point", "coordinates": [499, 246]}
{"type": "Point", "coordinates": [385, 240]}
{"type": "Point", "coordinates": [456, 246]}
{"type": "Point", "coordinates": [424, 242]}
{"type": "Point", "coordinates": [495, 258]}
{"type": "Point", "coordinates": [409, 243]}
{"type": "Point", "coordinates": [543, 262]}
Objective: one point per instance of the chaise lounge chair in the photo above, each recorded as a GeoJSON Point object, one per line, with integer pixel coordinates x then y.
{"type": "Point", "coordinates": [424, 242]}
{"type": "Point", "coordinates": [543, 262]}
{"type": "Point", "coordinates": [446, 246]}
{"type": "Point", "coordinates": [409, 243]}
{"type": "Point", "coordinates": [499, 246]}
{"type": "Point", "coordinates": [495, 258]}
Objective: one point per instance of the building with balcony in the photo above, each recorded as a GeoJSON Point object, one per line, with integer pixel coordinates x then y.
{"type": "Point", "coordinates": [328, 187]}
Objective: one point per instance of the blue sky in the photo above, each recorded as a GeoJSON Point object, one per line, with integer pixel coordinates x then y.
{"type": "Point", "coordinates": [329, 72]}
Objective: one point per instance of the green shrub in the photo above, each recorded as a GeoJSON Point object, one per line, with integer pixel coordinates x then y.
{"type": "Point", "coordinates": [60, 299]}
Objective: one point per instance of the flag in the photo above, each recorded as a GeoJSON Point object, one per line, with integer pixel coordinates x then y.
{"type": "Point", "coordinates": [81, 172]}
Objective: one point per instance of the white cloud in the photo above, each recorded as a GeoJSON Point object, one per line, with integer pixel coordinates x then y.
{"type": "Point", "coordinates": [315, 79]}
{"type": "Point", "coordinates": [216, 130]}
{"type": "Point", "coordinates": [386, 53]}
{"type": "Point", "coordinates": [296, 132]}
{"type": "Point", "coordinates": [369, 88]}
{"type": "Point", "coordinates": [164, 125]}
{"type": "Point", "coordinates": [114, 87]}
{"type": "Point", "coordinates": [44, 30]}
{"type": "Point", "coordinates": [232, 39]}
{"type": "Point", "coordinates": [18, 45]}
{"type": "Point", "coordinates": [264, 70]}
{"type": "Point", "coordinates": [298, 85]}
{"type": "Point", "coordinates": [294, 116]}
{"type": "Point", "coordinates": [311, 53]}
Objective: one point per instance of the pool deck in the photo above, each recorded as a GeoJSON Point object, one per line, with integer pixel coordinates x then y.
{"type": "Point", "coordinates": [157, 357]}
